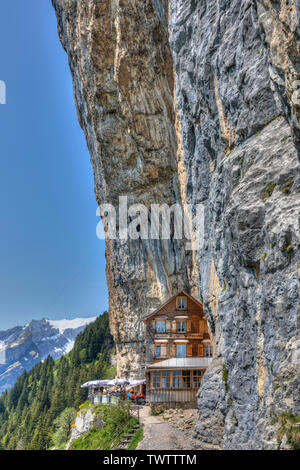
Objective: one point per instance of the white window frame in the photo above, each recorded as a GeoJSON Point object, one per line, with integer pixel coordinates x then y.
{"type": "Point", "coordinates": [181, 303]}
{"type": "Point", "coordinates": [180, 323]}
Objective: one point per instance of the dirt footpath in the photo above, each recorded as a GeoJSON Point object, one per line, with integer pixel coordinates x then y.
{"type": "Point", "coordinates": [172, 430]}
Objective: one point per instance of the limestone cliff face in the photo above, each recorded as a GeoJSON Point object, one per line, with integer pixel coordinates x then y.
{"type": "Point", "coordinates": [199, 102]}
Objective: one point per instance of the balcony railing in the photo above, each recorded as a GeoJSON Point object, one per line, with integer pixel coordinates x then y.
{"type": "Point", "coordinates": [171, 331]}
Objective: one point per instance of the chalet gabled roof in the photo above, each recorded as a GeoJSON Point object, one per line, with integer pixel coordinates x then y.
{"type": "Point", "coordinates": [161, 307]}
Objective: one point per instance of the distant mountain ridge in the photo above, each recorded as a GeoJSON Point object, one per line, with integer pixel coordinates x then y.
{"type": "Point", "coordinates": [23, 347]}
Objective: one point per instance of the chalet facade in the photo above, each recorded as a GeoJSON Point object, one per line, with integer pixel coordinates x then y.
{"type": "Point", "coordinates": [178, 350]}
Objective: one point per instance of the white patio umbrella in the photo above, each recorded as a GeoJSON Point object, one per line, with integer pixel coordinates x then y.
{"type": "Point", "coordinates": [135, 383]}
{"type": "Point", "coordinates": [114, 382]}
{"type": "Point", "coordinates": [96, 383]}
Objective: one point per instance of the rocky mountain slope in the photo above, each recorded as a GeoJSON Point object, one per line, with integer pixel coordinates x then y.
{"type": "Point", "coordinates": [23, 347]}
{"type": "Point", "coordinates": [199, 102]}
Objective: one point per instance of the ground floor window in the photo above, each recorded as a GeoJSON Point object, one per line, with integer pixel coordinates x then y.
{"type": "Point", "coordinates": [197, 377]}
{"type": "Point", "coordinates": [186, 379]}
{"type": "Point", "coordinates": [165, 379]}
{"type": "Point", "coordinates": [177, 379]}
{"type": "Point", "coordinates": [156, 379]}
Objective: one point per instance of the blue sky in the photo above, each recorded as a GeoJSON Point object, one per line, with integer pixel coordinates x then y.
{"type": "Point", "coordinates": [51, 262]}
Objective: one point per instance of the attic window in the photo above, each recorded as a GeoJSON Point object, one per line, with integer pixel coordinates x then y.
{"type": "Point", "coordinates": [181, 303]}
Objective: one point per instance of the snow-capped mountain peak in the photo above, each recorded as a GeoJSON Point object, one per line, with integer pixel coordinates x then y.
{"type": "Point", "coordinates": [23, 347]}
{"type": "Point", "coordinates": [66, 324]}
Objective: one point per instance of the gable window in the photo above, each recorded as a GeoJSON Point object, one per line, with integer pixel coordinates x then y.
{"type": "Point", "coordinates": [208, 350]}
{"type": "Point", "coordinates": [181, 303]}
{"type": "Point", "coordinates": [181, 327]}
{"type": "Point", "coordinates": [160, 326]}
{"type": "Point", "coordinates": [181, 350]}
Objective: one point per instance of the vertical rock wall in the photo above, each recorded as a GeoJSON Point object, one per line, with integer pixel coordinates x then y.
{"type": "Point", "coordinates": [237, 74]}
{"type": "Point", "coordinates": [198, 102]}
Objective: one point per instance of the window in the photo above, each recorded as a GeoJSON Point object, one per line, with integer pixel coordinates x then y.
{"type": "Point", "coordinates": [181, 350]}
{"type": "Point", "coordinates": [177, 379]}
{"type": "Point", "coordinates": [181, 327]}
{"type": "Point", "coordinates": [182, 379]}
{"type": "Point", "coordinates": [186, 379]}
{"type": "Point", "coordinates": [181, 303]}
{"type": "Point", "coordinates": [161, 379]}
{"type": "Point", "coordinates": [160, 326]}
{"type": "Point", "coordinates": [161, 350]}
{"type": "Point", "coordinates": [156, 379]}
{"type": "Point", "coordinates": [165, 379]}
{"type": "Point", "coordinates": [208, 350]}
{"type": "Point", "coordinates": [197, 377]}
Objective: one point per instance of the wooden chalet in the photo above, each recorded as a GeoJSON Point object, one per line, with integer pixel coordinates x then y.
{"type": "Point", "coordinates": [178, 350]}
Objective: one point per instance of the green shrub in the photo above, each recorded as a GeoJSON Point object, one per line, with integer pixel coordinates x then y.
{"type": "Point", "coordinates": [288, 426]}
{"type": "Point", "coordinates": [136, 439]}
{"type": "Point", "coordinates": [62, 426]}
{"type": "Point", "coordinates": [286, 188]}
{"type": "Point", "coordinates": [267, 192]}
{"type": "Point", "coordinates": [224, 374]}
{"type": "Point", "coordinates": [117, 424]}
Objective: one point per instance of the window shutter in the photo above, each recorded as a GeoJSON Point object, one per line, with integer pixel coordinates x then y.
{"type": "Point", "coordinates": [168, 325]}
{"type": "Point", "coordinates": [195, 325]}
{"type": "Point", "coordinates": [189, 350]}
{"type": "Point", "coordinates": [153, 325]}
{"type": "Point", "coordinates": [201, 329]}
{"type": "Point", "coordinates": [200, 350]}
{"type": "Point", "coordinates": [188, 326]}
{"type": "Point", "coordinates": [174, 326]}
{"type": "Point", "coordinates": [173, 350]}
{"type": "Point", "coordinates": [163, 350]}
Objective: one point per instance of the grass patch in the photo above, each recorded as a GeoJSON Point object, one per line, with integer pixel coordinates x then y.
{"type": "Point", "coordinates": [224, 374]}
{"type": "Point", "coordinates": [267, 192]}
{"type": "Point", "coordinates": [136, 439]}
{"type": "Point", "coordinates": [289, 427]}
{"type": "Point", "coordinates": [85, 405]}
{"type": "Point", "coordinates": [157, 413]}
{"type": "Point", "coordinates": [61, 446]}
{"type": "Point", "coordinates": [286, 188]}
{"type": "Point", "coordinates": [117, 424]}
